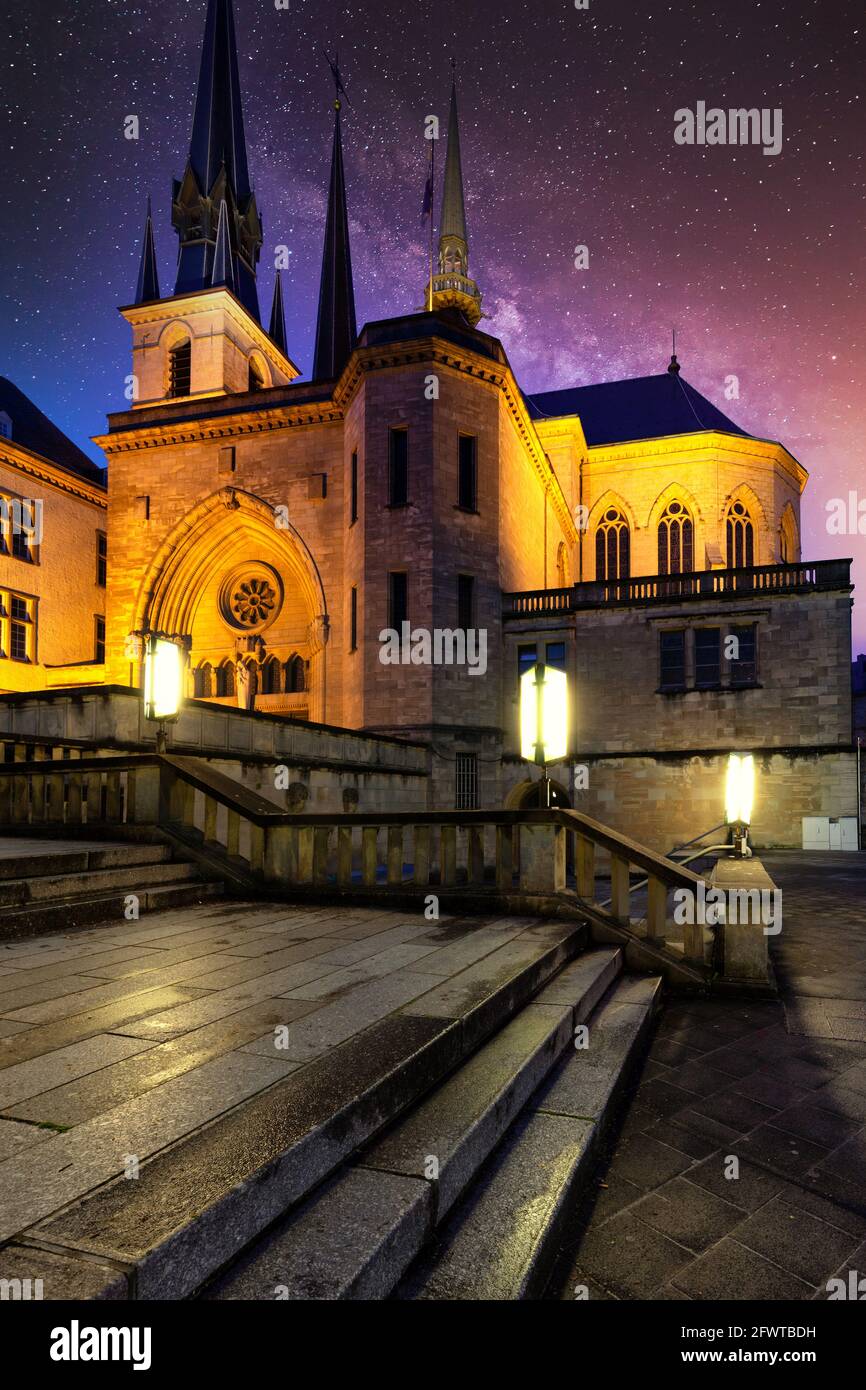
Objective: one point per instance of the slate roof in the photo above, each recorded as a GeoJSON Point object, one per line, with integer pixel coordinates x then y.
{"type": "Point", "coordinates": [34, 431]}
{"type": "Point", "coordinates": [644, 407]}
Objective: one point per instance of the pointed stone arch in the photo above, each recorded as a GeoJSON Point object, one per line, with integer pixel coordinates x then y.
{"type": "Point", "coordinates": [674, 492]}
{"type": "Point", "coordinates": [206, 555]}
{"type": "Point", "coordinates": [763, 541]}
{"type": "Point", "coordinates": [789, 536]}
{"type": "Point", "coordinates": [611, 498]}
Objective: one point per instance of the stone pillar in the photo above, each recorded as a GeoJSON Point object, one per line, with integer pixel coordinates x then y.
{"type": "Point", "coordinates": [751, 900]}
{"type": "Point", "coordinates": [542, 858]}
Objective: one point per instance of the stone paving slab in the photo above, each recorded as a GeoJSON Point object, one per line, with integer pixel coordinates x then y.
{"type": "Point", "coordinates": [66, 1063]}
{"type": "Point", "coordinates": [84, 1099]}
{"type": "Point", "coordinates": [70, 1165]}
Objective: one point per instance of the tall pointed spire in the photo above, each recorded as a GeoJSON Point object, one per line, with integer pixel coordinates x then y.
{"type": "Point", "coordinates": [336, 328]}
{"type": "Point", "coordinates": [217, 171]}
{"type": "Point", "coordinates": [147, 288]}
{"type": "Point", "coordinates": [277, 329]}
{"type": "Point", "coordinates": [452, 287]}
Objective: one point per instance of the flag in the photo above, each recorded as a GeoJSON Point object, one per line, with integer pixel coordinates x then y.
{"type": "Point", "coordinates": [427, 208]}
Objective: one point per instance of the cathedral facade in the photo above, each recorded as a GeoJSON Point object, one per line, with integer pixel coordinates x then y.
{"type": "Point", "coordinates": [285, 531]}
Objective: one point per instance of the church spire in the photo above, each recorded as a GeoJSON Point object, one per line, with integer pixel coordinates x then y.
{"type": "Point", "coordinates": [452, 287]}
{"type": "Point", "coordinates": [336, 329]}
{"type": "Point", "coordinates": [217, 172]}
{"type": "Point", "coordinates": [147, 288]}
{"type": "Point", "coordinates": [277, 330]}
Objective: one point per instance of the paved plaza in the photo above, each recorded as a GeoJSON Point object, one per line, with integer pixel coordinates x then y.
{"type": "Point", "coordinates": [780, 1086]}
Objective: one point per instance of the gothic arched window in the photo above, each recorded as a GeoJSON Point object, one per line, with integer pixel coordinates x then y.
{"type": "Point", "coordinates": [612, 546]}
{"type": "Point", "coordinates": [202, 682]}
{"type": "Point", "coordinates": [741, 537]}
{"type": "Point", "coordinates": [676, 540]}
{"type": "Point", "coordinates": [271, 677]}
{"type": "Point", "coordinates": [225, 679]}
{"type": "Point", "coordinates": [296, 676]}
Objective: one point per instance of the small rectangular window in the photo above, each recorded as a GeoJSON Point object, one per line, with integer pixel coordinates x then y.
{"type": "Point", "coordinates": [465, 602]}
{"type": "Point", "coordinates": [398, 586]}
{"type": "Point", "coordinates": [744, 659]}
{"type": "Point", "coordinates": [672, 653]}
{"type": "Point", "coordinates": [398, 468]}
{"type": "Point", "coordinates": [101, 559]}
{"type": "Point", "coordinates": [708, 657]}
{"type": "Point", "coordinates": [526, 659]}
{"type": "Point", "coordinates": [353, 504]}
{"type": "Point", "coordinates": [99, 624]}
{"type": "Point", "coordinates": [353, 620]}
{"type": "Point", "coordinates": [467, 473]}
{"type": "Point", "coordinates": [556, 655]}
{"type": "Point", "coordinates": [467, 782]}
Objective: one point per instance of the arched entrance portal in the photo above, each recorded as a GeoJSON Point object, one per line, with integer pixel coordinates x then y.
{"type": "Point", "coordinates": [526, 796]}
{"type": "Point", "coordinates": [246, 591]}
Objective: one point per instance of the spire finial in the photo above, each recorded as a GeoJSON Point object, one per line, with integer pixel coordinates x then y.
{"type": "Point", "coordinates": [147, 287]}
{"type": "Point", "coordinates": [674, 366]}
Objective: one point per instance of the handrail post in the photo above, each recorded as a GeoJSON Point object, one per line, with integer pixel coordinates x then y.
{"type": "Point", "coordinates": [421, 855]}
{"type": "Point", "coordinates": [585, 867]}
{"type": "Point", "coordinates": [657, 910]}
{"type": "Point", "coordinates": [504, 858]}
{"type": "Point", "coordinates": [619, 886]}
{"type": "Point", "coordinates": [542, 857]}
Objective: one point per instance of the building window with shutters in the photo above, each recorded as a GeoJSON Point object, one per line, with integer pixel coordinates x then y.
{"type": "Point", "coordinates": [744, 661]}
{"type": "Point", "coordinates": [672, 660]}
{"type": "Point", "coordinates": [708, 658]}
{"type": "Point", "coordinates": [467, 782]}
{"type": "Point", "coordinates": [180, 369]}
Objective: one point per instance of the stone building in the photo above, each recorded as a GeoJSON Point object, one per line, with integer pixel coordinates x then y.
{"type": "Point", "coordinates": [629, 532]}
{"type": "Point", "coordinates": [53, 557]}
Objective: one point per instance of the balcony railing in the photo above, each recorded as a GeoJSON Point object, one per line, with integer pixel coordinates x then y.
{"type": "Point", "coordinates": [666, 588]}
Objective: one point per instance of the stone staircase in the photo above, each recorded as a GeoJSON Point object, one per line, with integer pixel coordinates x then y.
{"type": "Point", "coordinates": [47, 887]}
{"type": "Point", "coordinates": [467, 1195]}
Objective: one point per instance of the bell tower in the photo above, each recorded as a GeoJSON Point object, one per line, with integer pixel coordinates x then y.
{"type": "Point", "coordinates": [207, 339]}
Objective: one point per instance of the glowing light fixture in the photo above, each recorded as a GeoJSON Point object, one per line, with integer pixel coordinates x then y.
{"type": "Point", "coordinates": [543, 714]}
{"type": "Point", "coordinates": [163, 678]}
{"type": "Point", "coordinates": [740, 799]}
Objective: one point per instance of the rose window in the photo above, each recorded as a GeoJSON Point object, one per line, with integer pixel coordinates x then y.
{"type": "Point", "coordinates": [253, 602]}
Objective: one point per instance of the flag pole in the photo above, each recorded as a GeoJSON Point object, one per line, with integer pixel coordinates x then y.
{"type": "Point", "coordinates": [432, 204]}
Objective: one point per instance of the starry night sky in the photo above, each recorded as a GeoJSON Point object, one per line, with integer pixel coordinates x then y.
{"type": "Point", "coordinates": [567, 128]}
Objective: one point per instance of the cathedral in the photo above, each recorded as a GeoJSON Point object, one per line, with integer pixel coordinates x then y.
{"type": "Point", "coordinates": [286, 532]}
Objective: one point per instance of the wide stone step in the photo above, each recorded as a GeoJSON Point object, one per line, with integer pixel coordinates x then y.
{"type": "Point", "coordinates": [501, 1241]}
{"type": "Point", "coordinates": [20, 891]}
{"type": "Point", "coordinates": [355, 1238]}
{"type": "Point", "coordinates": [89, 909]}
{"type": "Point", "coordinates": [197, 1204]}
{"type": "Point", "coordinates": [79, 861]}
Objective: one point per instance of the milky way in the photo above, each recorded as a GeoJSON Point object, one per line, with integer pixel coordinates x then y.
{"type": "Point", "coordinates": [567, 127]}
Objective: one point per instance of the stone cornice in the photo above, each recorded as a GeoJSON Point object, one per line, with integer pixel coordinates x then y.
{"type": "Point", "coordinates": [34, 466]}
{"type": "Point", "coordinates": [603, 455]}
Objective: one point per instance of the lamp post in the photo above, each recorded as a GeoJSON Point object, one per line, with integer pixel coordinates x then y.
{"type": "Point", "coordinates": [739, 801]}
{"type": "Point", "coordinates": [164, 661]}
{"type": "Point", "coordinates": [544, 719]}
